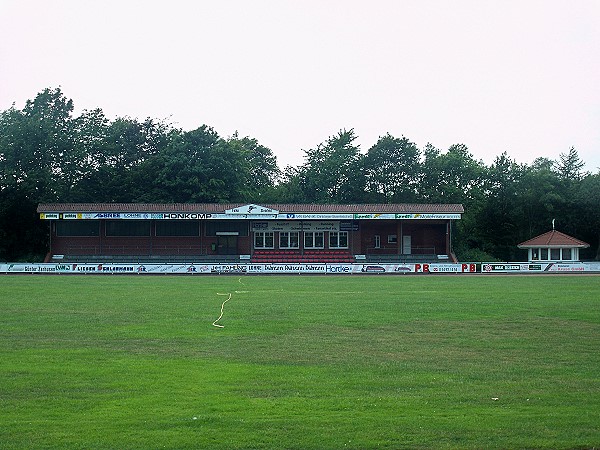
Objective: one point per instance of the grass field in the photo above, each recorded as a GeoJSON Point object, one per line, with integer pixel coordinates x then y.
{"type": "Point", "coordinates": [302, 362]}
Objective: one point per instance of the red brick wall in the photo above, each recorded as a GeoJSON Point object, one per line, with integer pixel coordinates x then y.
{"type": "Point", "coordinates": [427, 237]}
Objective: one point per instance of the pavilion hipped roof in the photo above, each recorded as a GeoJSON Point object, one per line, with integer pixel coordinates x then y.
{"type": "Point", "coordinates": [553, 239]}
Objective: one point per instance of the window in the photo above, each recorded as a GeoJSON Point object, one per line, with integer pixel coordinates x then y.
{"type": "Point", "coordinates": [338, 239]}
{"type": "Point", "coordinates": [377, 241]}
{"type": "Point", "coordinates": [264, 239]}
{"type": "Point", "coordinates": [566, 254]}
{"type": "Point", "coordinates": [392, 239]}
{"type": "Point", "coordinates": [544, 254]}
{"type": "Point", "coordinates": [227, 226]}
{"type": "Point", "coordinates": [314, 239]}
{"type": "Point", "coordinates": [555, 254]}
{"type": "Point", "coordinates": [535, 254]}
{"type": "Point", "coordinates": [178, 228]}
{"type": "Point", "coordinates": [288, 239]}
{"type": "Point", "coordinates": [78, 228]}
{"type": "Point", "coordinates": [128, 228]}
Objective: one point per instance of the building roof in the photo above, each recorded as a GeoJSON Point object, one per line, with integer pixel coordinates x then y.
{"type": "Point", "coordinates": [553, 239]}
{"type": "Point", "coordinates": [214, 208]}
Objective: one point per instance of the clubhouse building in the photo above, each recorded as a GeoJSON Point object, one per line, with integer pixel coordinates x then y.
{"type": "Point", "coordinates": [290, 233]}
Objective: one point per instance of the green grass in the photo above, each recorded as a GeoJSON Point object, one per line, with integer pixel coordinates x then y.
{"type": "Point", "coordinates": [303, 362]}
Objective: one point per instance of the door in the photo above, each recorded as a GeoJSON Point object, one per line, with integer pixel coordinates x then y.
{"type": "Point", "coordinates": [406, 245]}
{"type": "Point", "coordinates": [227, 245]}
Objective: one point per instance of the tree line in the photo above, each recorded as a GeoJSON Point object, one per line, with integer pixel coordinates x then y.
{"type": "Point", "coordinates": [49, 154]}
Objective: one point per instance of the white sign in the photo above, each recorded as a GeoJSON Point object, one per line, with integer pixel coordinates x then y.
{"type": "Point", "coordinates": [252, 210]}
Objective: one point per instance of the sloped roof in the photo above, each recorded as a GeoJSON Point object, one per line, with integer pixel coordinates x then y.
{"type": "Point", "coordinates": [221, 207]}
{"type": "Point", "coordinates": [553, 239]}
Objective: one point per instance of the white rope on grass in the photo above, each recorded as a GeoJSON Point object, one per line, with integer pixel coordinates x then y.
{"type": "Point", "coordinates": [215, 324]}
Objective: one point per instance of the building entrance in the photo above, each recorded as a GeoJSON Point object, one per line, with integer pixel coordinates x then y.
{"type": "Point", "coordinates": [227, 244]}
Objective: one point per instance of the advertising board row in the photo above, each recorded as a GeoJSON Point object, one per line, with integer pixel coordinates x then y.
{"type": "Point", "coordinates": [201, 268]}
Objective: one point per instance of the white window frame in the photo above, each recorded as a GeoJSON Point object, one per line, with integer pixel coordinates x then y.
{"type": "Point", "coordinates": [263, 236]}
{"type": "Point", "coordinates": [335, 237]}
{"type": "Point", "coordinates": [289, 239]}
{"type": "Point", "coordinates": [545, 254]}
{"type": "Point", "coordinates": [311, 238]}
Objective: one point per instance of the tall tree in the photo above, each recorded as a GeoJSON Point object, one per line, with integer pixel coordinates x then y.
{"type": "Point", "coordinates": [588, 198]}
{"type": "Point", "coordinates": [34, 143]}
{"type": "Point", "coordinates": [541, 195]}
{"type": "Point", "coordinates": [260, 166]}
{"type": "Point", "coordinates": [87, 155]}
{"type": "Point", "coordinates": [117, 156]}
{"type": "Point", "coordinates": [392, 170]}
{"type": "Point", "coordinates": [333, 171]}
{"type": "Point", "coordinates": [451, 177]}
{"type": "Point", "coordinates": [569, 166]}
{"type": "Point", "coordinates": [454, 177]}
{"type": "Point", "coordinates": [499, 220]}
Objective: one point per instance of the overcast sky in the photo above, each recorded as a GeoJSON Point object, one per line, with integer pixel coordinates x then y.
{"type": "Point", "coordinates": [517, 76]}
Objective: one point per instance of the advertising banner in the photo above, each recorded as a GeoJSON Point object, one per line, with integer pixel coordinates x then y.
{"type": "Point", "coordinates": [310, 216]}
{"type": "Point", "coordinates": [249, 268]}
{"type": "Point", "coordinates": [533, 267]}
{"type": "Point", "coordinates": [427, 216]}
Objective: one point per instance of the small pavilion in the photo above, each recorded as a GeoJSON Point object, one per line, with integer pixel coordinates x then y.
{"type": "Point", "coordinates": [553, 246]}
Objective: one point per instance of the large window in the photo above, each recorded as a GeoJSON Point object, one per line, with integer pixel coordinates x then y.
{"type": "Point", "coordinates": [264, 239]}
{"type": "Point", "coordinates": [227, 226]}
{"type": "Point", "coordinates": [338, 239]}
{"type": "Point", "coordinates": [314, 239]}
{"type": "Point", "coordinates": [128, 228]}
{"type": "Point", "coordinates": [289, 239]}
{"type": "Point", "coordinates": [553, 254]}
{"type": "Point", "coordinates": [78, 228]}
{"type": "Point", "coordinates": [178, 228]}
